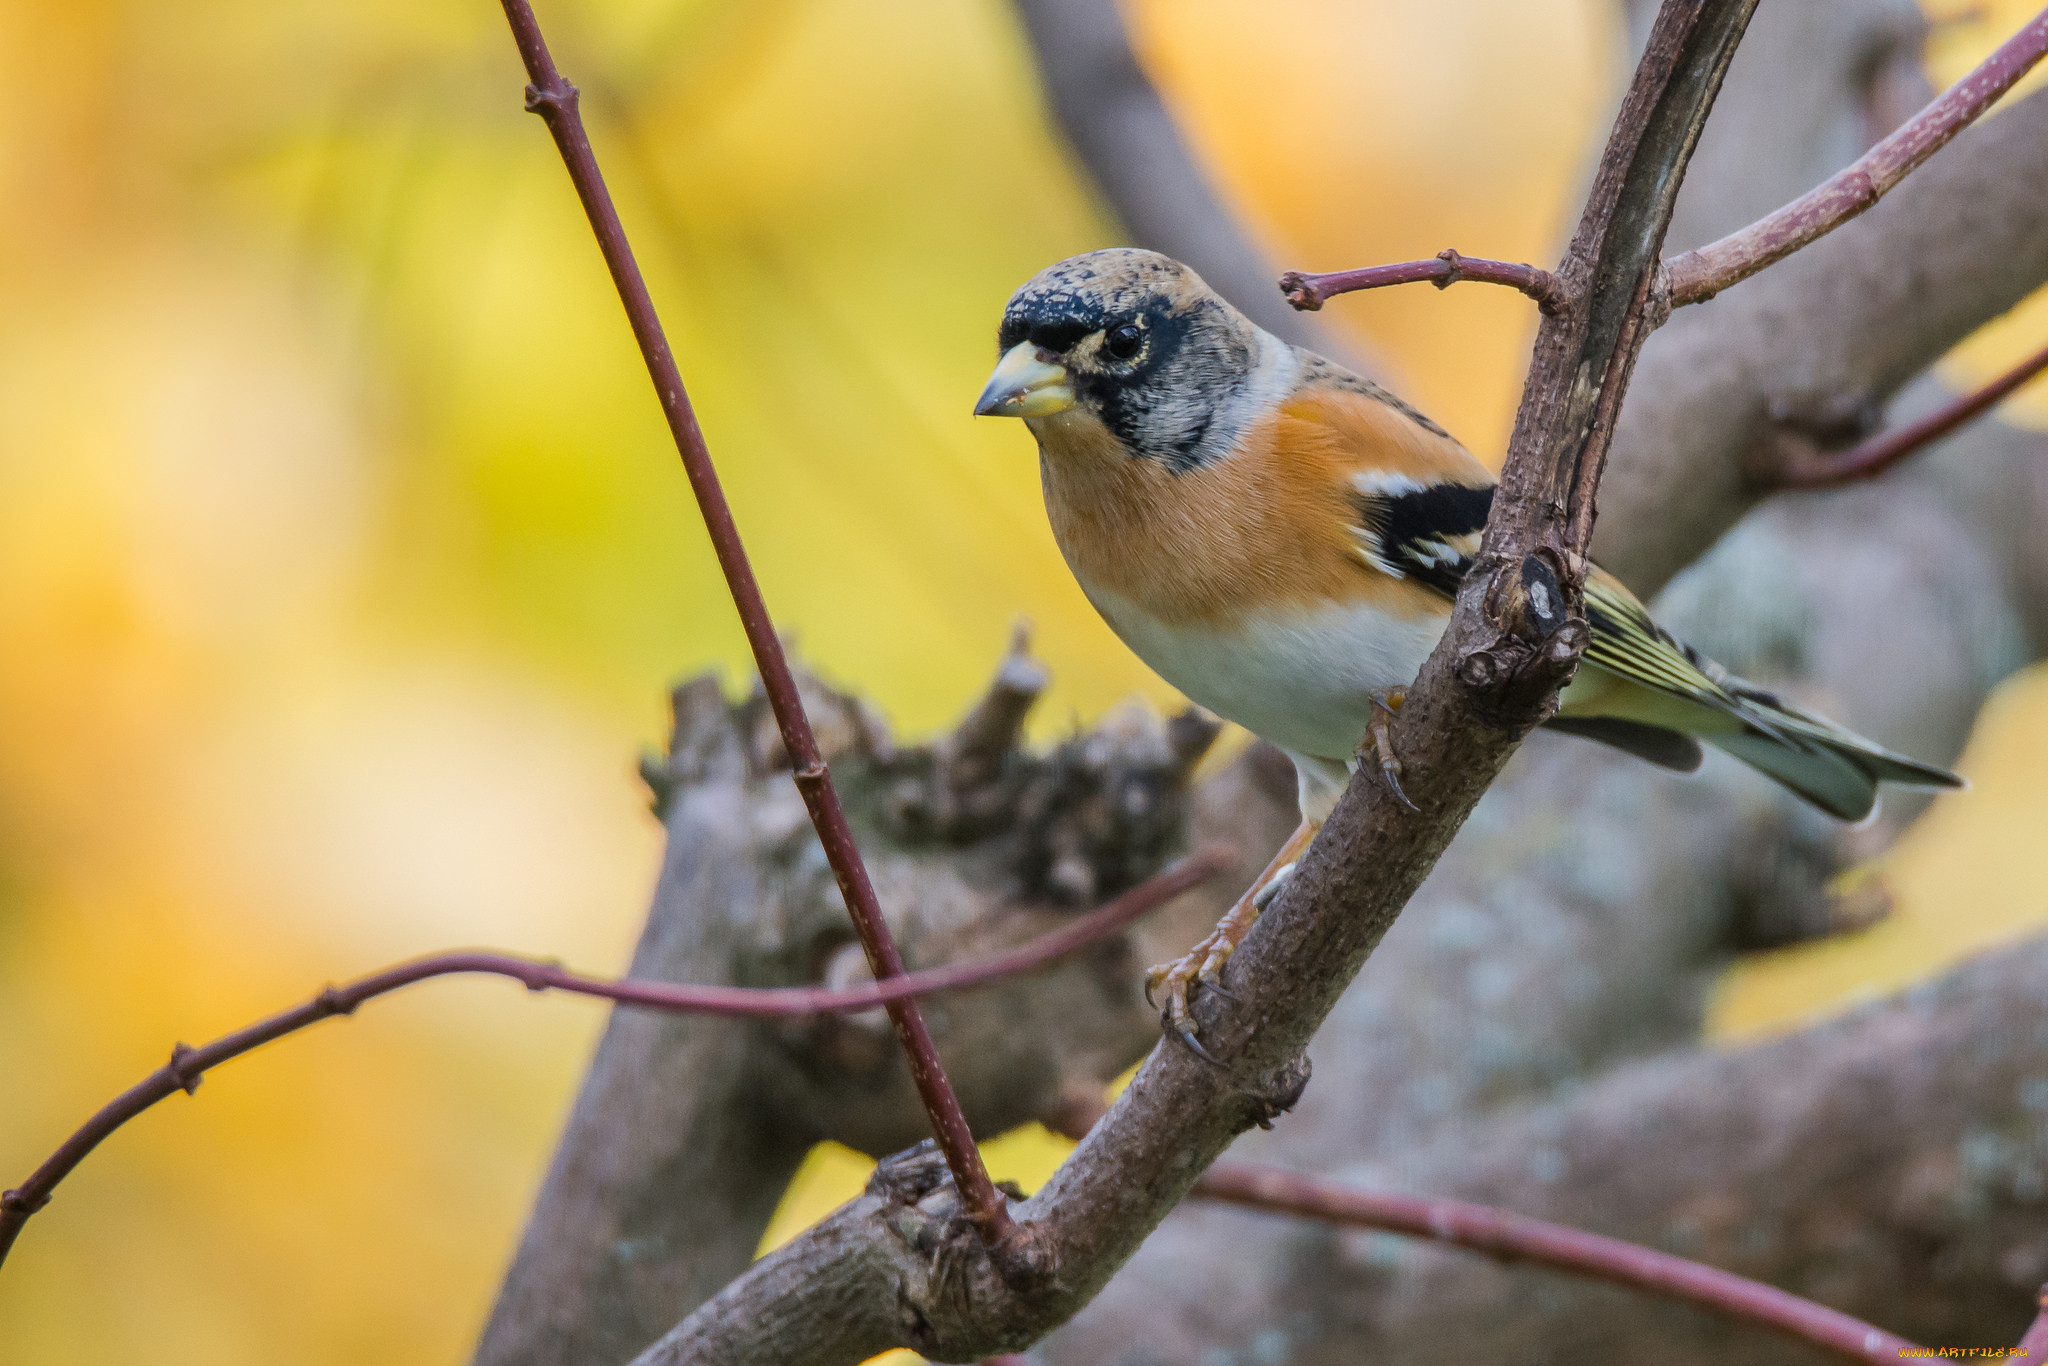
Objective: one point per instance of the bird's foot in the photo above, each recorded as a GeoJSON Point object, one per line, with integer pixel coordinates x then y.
{"type": "Point", "coordinates": [1386, 704]}
{"type": "Point", "coordinates": [1169, 985]}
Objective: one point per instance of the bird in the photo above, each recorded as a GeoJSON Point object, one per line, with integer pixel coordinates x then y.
{"type": "Point", "coordinates": [1282, 540]}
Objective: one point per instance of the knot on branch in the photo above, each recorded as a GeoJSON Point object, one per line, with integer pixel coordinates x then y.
{"type": "Point", "coordinates": [1538, 636]}
{"type": "Point", "coordinates": [333, 1001]}
{"type": "Point", "coordinates": [1266, 1095]}
{"type": "Point", "coordinates": [21, 1204]}
{"type": "Point", "coordinates": [543, 974]}
{"type": "Point", "coordinates": [1300, 291]}
{"type": "Point", "coordinates": [909, 1176]}
{"type": "Point", "coordinates": [1659, 302]}
{"type": "Point", "coordinates": [1278, 1092]}
{"type": "Point", "coordinates": [922, 1209]}
{"type": "Point", "coordinates": [551, 101]}
{"type": "Point", "coordinates": [182, 1070]}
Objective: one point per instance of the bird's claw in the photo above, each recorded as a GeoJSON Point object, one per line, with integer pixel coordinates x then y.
{"type": "Point", "coordinates": [1187, 1035]}
{"type": "Point", "coordinates": [1169, 985]}
{"type": "Point", "coordinates": [1390, 774]}
{"type": "Point", "coordinates": [1386, 704]}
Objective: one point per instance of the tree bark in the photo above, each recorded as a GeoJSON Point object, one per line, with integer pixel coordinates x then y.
{"type": "Point", "coordinates": [687, 1130]}
{"type": "Point", "coordinates": [1813, 350]}
{"type": "Point", "coordinates": [1889, 1163]}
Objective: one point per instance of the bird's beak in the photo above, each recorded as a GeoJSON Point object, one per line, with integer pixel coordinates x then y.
{"type": "Point", "coordinates": [1027, 382]}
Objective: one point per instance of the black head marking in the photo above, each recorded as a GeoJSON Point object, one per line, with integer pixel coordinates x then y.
{"type": "Point", "coordinates": [1056, 322]}
{"type": "Point", "coordinates": [1192, 354]}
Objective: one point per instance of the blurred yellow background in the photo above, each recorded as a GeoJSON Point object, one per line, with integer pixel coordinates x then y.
{"type": "Point", "coordinates": [344, 560]}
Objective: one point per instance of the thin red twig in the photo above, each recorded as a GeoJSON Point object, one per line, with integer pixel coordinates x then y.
{"type": "Point", "coordinates": [1705, 271]}
{"type": "Point", "coordinates": [188, 1065]}
{"type": "Point", "coordinates": [1514, 1238]}
{"type": "Point", "coordinates": [1310, 292]}
{"type": "Point", "coordinates": [554, 99]}
{"type": "Point", "coordinates": [2034, 1345]}
{"type": "Point", "coordinates": [1802, 469]}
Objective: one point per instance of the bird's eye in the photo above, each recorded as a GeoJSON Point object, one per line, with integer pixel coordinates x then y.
{"type": "Point", "coordinates": [1123, 341]}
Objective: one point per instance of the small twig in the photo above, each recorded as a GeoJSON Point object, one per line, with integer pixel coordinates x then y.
{"type": "Point", "coordinates": [1702, 273]}
{"type": "Point", "coordinates": [1446, 268]}
{"type": "Point", "coordinates": [188, 1065]}
{"type": "Point", "coordinates": [978, 745]}
{"type": "Point", "coordinates": [1796, 466]}
{"type": "Point", "coordinates": [2034, 1345]}
{"type": "Point", "coordinates": [1516, 1238]}
{"type": "Point", "coordinates": [554, 99]}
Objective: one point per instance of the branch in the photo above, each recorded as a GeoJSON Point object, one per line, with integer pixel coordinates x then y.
{"type": "Point", "coordinates": [554, 99]}
{"type": "Point", "coordinates": [1792, 464]}
{"type": "Point", "coordinates": [1698, 275]}
{"type": "Point", "coordinates": [1702, 273]}
{"type": "Point", "coordinates": [1888, 1161]}
{"type": "Point", "coordinates": [1310, 292]}
{"type": "Point", "coordinates": [889, 1270]}
{"type": "Point", "coordinates": [1825, 340]}
{"type": "Point", "coordinates": [684, 1133]}
{"type": "Point", "coordinates": [188, 1065]}
{"type": "Point", "coordinates": [1511, 1237]}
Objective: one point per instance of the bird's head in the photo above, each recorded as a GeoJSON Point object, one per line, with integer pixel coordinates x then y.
{"type": "Point", "coordinates": [1132, 342]}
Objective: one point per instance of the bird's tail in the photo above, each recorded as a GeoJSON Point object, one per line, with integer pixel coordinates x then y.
{"type": "Point", "coordinates": [1643, 677]}
{"type": "Point", "coordinates": [1832, 767]}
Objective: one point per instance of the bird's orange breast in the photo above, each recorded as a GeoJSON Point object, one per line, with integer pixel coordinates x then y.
{"type": "Point", "coordinates": [1272, 526]}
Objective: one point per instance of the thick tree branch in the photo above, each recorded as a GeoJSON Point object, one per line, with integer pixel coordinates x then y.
{"type": "Point", "coordinates": [885, 1271]}
{"type": "Point", "coordinates": [1888, 1162]}
{"type": "Point", "coordinates": [554, 99]}
{"type": "Point", "coordinates": [1702, 273]}
{"type": "Point", "coordinates": [685, 1131]}
{"type": "Point", "coordinates": [1515, 1238]}
{"type": "Point", "coordinates": [1811, 353]}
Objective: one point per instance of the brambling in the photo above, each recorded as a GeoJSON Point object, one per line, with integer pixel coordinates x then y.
{"type": "Point", "coordinates": [1282, 541]}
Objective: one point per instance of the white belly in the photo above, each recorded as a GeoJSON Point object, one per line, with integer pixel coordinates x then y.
{"type": "Point", "coordinates": [1304, 682]}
